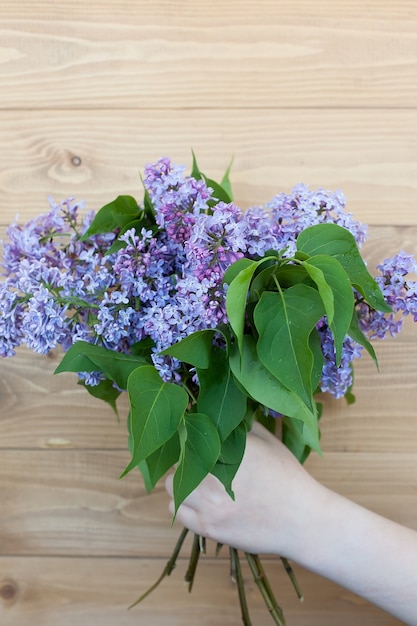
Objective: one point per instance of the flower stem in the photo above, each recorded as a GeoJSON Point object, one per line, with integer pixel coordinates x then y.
{"type": "Point", "coordinates": [192, 565]}
{"type": "Point", "coordinates": [236, 574]}
{"type": "Point", "coordinates": [167, 569]}
{"type": "Point", "coordinates": [293, 579]}
{"type": "Point", "coordinates": [261, 580]}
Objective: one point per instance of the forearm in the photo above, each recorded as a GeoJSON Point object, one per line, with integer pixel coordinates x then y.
{"type": "Point", "coordinates": [306, 522]}
{"type": "Point", "coordinates": [369, 555]}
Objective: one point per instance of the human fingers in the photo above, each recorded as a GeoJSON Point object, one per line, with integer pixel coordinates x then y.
{"type": "Point", "coordinates": [210, 487]}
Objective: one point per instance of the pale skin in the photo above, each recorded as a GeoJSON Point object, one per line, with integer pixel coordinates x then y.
{"type": "Point", "coordinates": [279, 508]}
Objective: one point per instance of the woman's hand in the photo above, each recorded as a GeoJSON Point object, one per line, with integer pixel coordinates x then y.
{"type": "Point", "coordinates": [279, 508]}
{"type": "Point", "coordinates": [272, 496]}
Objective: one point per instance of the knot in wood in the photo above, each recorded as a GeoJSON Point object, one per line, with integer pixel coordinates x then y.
{"type": "Point", "coordinates": [8, 590]}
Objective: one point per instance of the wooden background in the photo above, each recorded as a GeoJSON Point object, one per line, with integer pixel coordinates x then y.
{"type": "Point", "coordinates": [317, 92]}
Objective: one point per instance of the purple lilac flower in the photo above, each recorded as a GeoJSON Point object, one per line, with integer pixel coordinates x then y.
{"type": "Point", "coordinates": [11, 333]}
{"type": "Point", "coordinates": [177, 199]}
{"type": "Point", "coordinates": [164, 285]}
{"type": "Point", "coordinates": [293, 212]}
{"type": "Point", "coordinates": [337, 380]}
{"type": "Point", "coordinates": [44, 322]}
{"type": "Point", "coordinates": [259, 233]}
{"type": "Point", "coordinates": [144, 266]}
{"type": "Point", "coordinates": [400, 293]}
{"type": "Point", "coordinates": [217, 240]}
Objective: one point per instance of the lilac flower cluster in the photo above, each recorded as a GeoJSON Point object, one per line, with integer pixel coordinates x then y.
{"type": "Point", "coordinates": [52, 281]}
{"type": "Point", "coordinates": [165, 282]}
{"type": "Point", "coordinates": [337, 380]}
{"type": "Point", "coordinates": [304, 207]}
{"type": "Point", "coordinates": [399, 291]}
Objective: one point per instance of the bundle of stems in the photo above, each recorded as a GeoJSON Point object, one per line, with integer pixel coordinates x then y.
{"type": "Point", "coordinates": [258, 572]}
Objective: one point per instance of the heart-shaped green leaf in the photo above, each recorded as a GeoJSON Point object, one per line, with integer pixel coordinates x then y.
{"type": "Point", "coordinates": [156, 409]}
{"type": "Point", "coordinates": [86, 357]}
{"type": "Point", "coordinates": [115, 214]}
{"type": "Point", "coordinates": [336, 292]}
{"type": "Point", "coordinates": [194, 349]}
{"type": "Point", "coordinates": [200, 449]}
{"type": "Point", "coordinates": [264, 388]}
{"type": "Point", "coordinates": [284, 322]}
{"type": "Point", "coordinates": [336, 241]}
{"type": "Point", "coordinates": [219, 396]}
{"type": "Point", "coordinates": [104, 391]}
{"type": "Point", "coordinates": [160, 461]}
{"type": "Point", "coordinates": [231, 455]}
{"type": "Point", "coordinates": [236, 297]}
{"type": "Point", "coordinates": [357, 335]}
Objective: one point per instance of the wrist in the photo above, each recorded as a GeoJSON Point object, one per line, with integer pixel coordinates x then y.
{"type": "Point", "coordinates": [302, 518]}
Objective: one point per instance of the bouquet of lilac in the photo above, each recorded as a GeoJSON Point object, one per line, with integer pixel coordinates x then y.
{"type": "Point", "coordinates": [207, 316]}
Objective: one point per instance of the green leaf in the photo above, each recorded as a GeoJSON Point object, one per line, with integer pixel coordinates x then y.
{"type": "Point", "coordinates": [222, 191]}
{"type": "Point", "coordinates": [234, 269]}
{"type": "Point", "coordinates": [143, 348]}
{"type": "Point", "coordinates": [289, 275]}
{"type": "Point", "coordinates": [200, 449]}
{"type": "Point", "coordinates": [265, 279]}
{"type": "Point", "coordinates": [318, 359]}
{"type": "Point", "coordinates": [263, 387]}
{"type": "Point", "coordinates": [87, 357]}
{"type": "Point", "coordinates": [293, 438]}
{"type": "Point", "coordinates": [231, 455]}
{"type": "Point", "coordinates": [267, 420]}
{"type": "Point", "coordinates": [116, 214]}
{"type": "Point", "coordinates": [338, 242]}
{"type": "Point", "coordinates": [219, 396]}
{"type": "Point", "coordinates": [136, 225]}
{"type": "Point", "coordinates": [219, 193]}
{"type": "Point", "coordinates": [336, 292]}
{"type": "Point", "coordinates": [324, 289]}
{"type": "Point", "coordinates": [194, 349]}
{"type": "Point", "coordinates": [195, 172]}
{"type": "Point", "coordinates": [357, 335]}
{"type": "Point", "coordinates": [155, 466]}
{"type": "Point", "coordinates": [104, 391]}
{"type": "Point", "coordinates": [225, 182]}
{"type": "Point", "coordinates": [285, 321]}
{"type": "Point", "coordinates": [156, 409]}
{"type": "Point", "coordinates": [148, 207]}
{"type": "Point", "coordinates": [236, 297]}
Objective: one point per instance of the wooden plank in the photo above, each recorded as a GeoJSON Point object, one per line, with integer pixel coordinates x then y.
{"type": "Point", "coordinates": [383, 482]}
{"type": "Point", "coordinates": [68, 502]}
{"type": "Point", "coordinates": [71, 502]}
{"type": "Point", "coordinates": [367, 154]}
{"type": "Point", "coordinates": [272, 54]}
{"type": "Point", "coordinates": [362, 14]}
{"type": "Point", "coordinates": [67, 591]}
{"type": "Point", "coordinates": [39, 410]}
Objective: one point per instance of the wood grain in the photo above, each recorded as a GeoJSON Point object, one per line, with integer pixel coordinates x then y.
{"type": "Point", "coordinates": [370, 155]}
{"type": "Point", "coordinates": [43, 411]}
{"type": "Point", "coordinates": [322, 93]}
{"type": "Point", "coordinates": [87, 591]}
{"type": "Point", "coordinates": [274, 54]}
{"type": "Point", "coordinates": [71, 502]}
